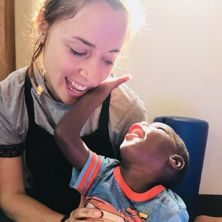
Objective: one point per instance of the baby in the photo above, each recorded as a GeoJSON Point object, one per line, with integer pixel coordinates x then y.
{"type": "Point", "coordinates": [137, 188]}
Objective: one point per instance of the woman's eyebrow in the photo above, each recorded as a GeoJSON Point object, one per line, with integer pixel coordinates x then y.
{"type": "Point", "coordinates": [114, 50]}
{"type": "Point", "coordinates": [84, 41]}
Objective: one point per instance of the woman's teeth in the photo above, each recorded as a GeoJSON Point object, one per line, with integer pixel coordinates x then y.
{"type": "Point", "coordinates": [76, 86]}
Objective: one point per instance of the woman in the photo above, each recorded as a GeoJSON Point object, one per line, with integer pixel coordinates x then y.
{"type": "Point", "coordinates": [77, 45]}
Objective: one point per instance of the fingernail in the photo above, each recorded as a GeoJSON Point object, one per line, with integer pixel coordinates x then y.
{"type": "Point", "coordinates": [98, 213]}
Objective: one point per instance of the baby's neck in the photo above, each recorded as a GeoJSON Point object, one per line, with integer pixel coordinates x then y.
{"type": "Point", "coordinates": [136, 180]}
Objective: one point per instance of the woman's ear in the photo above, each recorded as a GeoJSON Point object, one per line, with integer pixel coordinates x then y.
{"type": "Point", "coordinates": [42, 26]}
{"type": "Point", "coordinates": [176, 162]}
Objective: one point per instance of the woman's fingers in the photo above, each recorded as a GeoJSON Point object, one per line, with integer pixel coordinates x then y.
{"type": "Point", "coordinates": [87, 215]}
{"type": "Point", "coordinates": [81, 213]}
{"type": "Point", "coordinates": [81, 204]}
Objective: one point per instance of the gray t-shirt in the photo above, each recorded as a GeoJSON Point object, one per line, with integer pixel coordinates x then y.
{"type": "Point", "coordinates": [125, 109]}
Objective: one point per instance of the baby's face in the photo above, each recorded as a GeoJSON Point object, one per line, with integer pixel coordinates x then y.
{"type": "Point", "coordinates": [148, 142]}
{"type": "Point", "coordinates": [148, 133]}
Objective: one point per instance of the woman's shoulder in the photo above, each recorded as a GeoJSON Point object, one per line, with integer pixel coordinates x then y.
{"type": "Point", "coordinates": [13, 115]}
{"type": "Point", "coordinates": [125, 98]}
{"type": "Point", "coordinates": [124, 92]}
{"type": "Point", "coordinates": [126, 108]}
{"type": "Point", "coordinates": [12, 88]}
{"type": "Point", "coordinates": [14, 81]}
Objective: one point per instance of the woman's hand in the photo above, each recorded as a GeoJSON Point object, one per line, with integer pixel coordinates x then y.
{"type": "Point", "coordinates": [87, 215]}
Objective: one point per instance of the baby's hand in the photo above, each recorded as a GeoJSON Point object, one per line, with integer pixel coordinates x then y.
{"type": "Point", "coordinates": [107, 86]}
{"type": "Point", "coordinates": [113, 82]}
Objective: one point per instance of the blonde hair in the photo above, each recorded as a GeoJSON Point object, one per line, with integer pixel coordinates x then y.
{"type": "Point", "coordinates": [52, 10]}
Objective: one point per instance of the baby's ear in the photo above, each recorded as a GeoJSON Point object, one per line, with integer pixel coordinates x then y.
{"type": "Point", "coordinates": [176, 162]}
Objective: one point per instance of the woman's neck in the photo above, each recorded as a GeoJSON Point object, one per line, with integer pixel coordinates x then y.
{"type": "Point", "coordinates": [42, 71]}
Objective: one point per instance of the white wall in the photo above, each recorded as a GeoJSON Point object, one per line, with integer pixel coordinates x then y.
{"type": "Point", "coordinates": [177, 68]}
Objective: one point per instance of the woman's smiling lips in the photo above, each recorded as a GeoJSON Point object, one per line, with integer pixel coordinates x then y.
{"type": "Point", "coordinates": [75, 87]}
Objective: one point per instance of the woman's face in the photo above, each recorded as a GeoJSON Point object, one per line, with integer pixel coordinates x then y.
{"type": "Point", "coordinates": [79, 53]}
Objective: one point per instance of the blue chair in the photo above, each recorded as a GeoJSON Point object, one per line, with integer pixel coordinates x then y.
{"type": "Point", "coordinates": [194, 132]}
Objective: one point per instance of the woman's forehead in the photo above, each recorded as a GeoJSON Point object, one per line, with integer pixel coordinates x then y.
{"type": "Point", "coordinates": [100, 24]}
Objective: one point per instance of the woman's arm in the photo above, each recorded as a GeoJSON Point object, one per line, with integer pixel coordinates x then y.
{"type": "Point", "coordinates": [67, 131]}
{"type": "Point", "coordinates": [22, 208]}
{"type": "Point", "coordinates": [13, 199]}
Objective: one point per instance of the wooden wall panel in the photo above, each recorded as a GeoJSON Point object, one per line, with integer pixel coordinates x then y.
{"type": "Point", "coordinates": [7, 38]}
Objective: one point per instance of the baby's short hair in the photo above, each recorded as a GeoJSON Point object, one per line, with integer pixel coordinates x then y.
{"type": "Point", "coordinates": [176, 176]}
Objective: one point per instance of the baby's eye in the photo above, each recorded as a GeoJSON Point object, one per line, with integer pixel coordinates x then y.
{"type": "Point", "coordinates": [78, 53]}
{"type": "Point", "coordinates": [161, 128]}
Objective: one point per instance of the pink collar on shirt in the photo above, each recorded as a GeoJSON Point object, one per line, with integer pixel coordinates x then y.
{"type": "Point", "coordinates": [130, 194]}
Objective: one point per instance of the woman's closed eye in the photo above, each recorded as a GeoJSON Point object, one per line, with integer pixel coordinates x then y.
{"type": "Point", "coordinates": [78, 53]}
{"type": "Point", "coordinates": [108, 62]}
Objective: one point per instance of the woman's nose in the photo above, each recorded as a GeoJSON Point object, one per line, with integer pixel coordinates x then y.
{"type": "Point", "coordinates": [83, 73]}
{"type": "Point", "coordinates": [91, 73]}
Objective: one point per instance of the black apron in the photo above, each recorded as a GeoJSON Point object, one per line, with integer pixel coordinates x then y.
{"type": "Point", "coordinates": [51, 170]}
